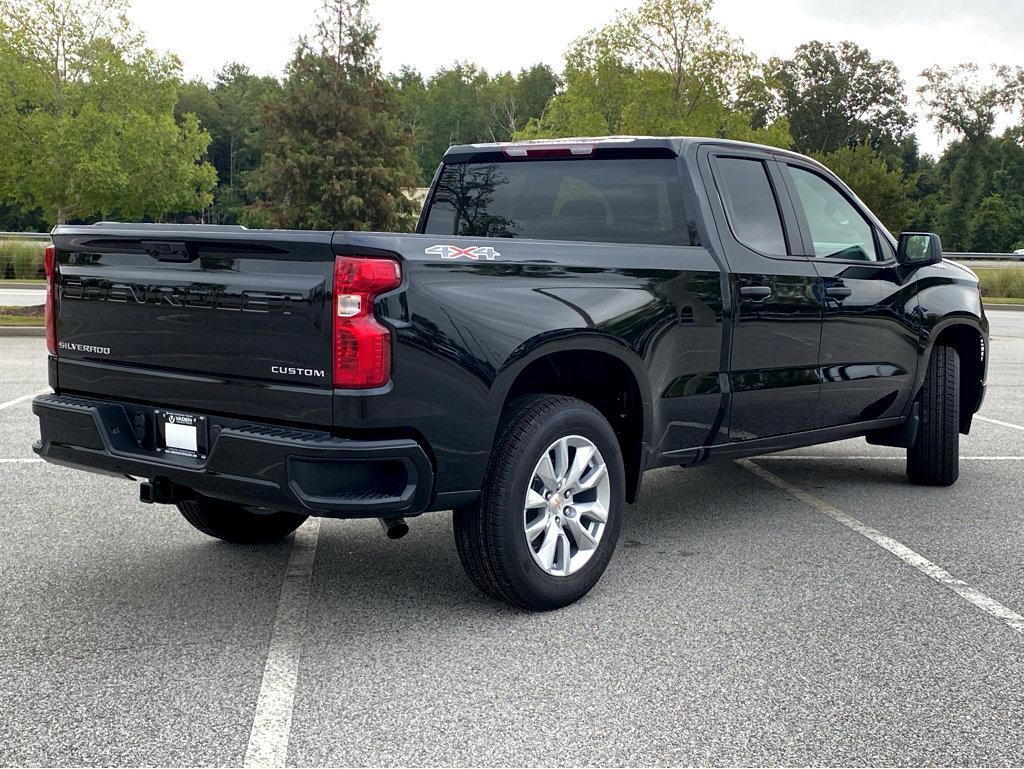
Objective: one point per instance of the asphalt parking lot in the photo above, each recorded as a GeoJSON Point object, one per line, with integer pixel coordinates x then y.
{"type": "Point", "coordinates": [739, 621]}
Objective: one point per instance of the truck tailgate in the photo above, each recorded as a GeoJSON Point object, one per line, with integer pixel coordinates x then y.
{"type": "Point", "coordinates": [251, 306]}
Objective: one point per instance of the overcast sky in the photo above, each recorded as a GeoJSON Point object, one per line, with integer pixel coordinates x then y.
{"type": "Point", "coordinates": [428, 34]}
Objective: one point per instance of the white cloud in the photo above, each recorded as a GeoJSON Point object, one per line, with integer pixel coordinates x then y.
{"type": "Point", "coordinates": [208, 34]}
{"type": "Point", "coordinates": [1001, 20]}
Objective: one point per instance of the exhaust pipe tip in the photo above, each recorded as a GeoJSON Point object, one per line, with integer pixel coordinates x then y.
{"type": "Point", "coordinates": [394, 528]}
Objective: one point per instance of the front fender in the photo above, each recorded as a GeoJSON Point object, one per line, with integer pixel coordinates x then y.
{"type": "Point", "coordinates": [949, 304]}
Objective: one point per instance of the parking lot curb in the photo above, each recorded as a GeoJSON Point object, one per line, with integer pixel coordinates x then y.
{"type": "Point", "coordinates": [1016, 307]}
{"type": "Point", "coordinates": [14, 286]}
{"type": "Point", "coordinates": [22, 331]}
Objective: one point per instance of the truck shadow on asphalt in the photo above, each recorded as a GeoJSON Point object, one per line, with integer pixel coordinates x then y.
{"type": "Point", "coordinates": [711, 511]}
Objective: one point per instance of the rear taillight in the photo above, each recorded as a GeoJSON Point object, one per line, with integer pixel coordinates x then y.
{"type": "Point", "coordinates": [50, 308]}
{"type": "Point", "coordinates": [362, 345]}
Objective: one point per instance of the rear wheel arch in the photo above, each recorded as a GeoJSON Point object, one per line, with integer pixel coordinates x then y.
{"type": "Point", "coordinates": [598, 371]}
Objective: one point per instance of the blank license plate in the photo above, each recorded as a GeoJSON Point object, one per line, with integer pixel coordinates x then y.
{"type": "Point", "coordinates": [180, 433]}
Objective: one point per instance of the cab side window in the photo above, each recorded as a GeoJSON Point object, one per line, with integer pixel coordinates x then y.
{"type": "Point", "coordinates": [838, 229]}
{"type": "Point", "coordinates": [750, 204]}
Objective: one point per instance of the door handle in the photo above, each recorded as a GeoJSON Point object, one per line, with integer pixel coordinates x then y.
{"type": "Point", "coordinates": [839, 293]}
{"type": "Point", "coordinates": [755, 293]}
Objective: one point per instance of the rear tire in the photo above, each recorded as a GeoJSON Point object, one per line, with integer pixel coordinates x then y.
{"type": "Point", "coordinates": [501, 540]}
{"type": "Point", "coordinates": [934, 459]}
{"type": "Point", "coordinates": [233, 523]}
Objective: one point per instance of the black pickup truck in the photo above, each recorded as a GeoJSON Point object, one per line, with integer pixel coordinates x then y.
{"type": "Point", "coordinates": [567, 315]}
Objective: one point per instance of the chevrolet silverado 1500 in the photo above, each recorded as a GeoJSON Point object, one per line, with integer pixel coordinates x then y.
{"type": "Point", "coordinates": [567, 315]}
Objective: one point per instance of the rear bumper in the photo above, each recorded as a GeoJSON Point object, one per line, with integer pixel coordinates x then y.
{"type": "Point", "coordinates": [259, 465]}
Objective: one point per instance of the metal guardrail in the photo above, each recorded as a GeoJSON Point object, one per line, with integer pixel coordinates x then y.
{"type": "Point", "coordinates": [39, 236]}
{"type": "Point", "coordinates": [977, 257]}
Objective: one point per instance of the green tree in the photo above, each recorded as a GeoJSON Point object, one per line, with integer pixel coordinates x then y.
{"type": "Point", "coordinates": [511, 101]}
{"type": "Point", "coordinates": [838, 95]}
{"type": "Point", "coordinates": [995, 225]}
{"type": "Point", "coordinates": [883, 190]}
{"type": "Point", "coordinates": [959, 182]}
{"type": "Point", "coordinates": [15, 219]}
{"type": "Point", "coordinates": [230, 112]}
{"type": "Point", "coordinates": [533, 89]}
{"type": "Point", "coordinates": [336, 156]}
{"type": "Point", "coordinates": [962, 102]}
{"type": "Point", "coordinates": [456, 110]}
{"type": "Point", "coordinates": [596, 92]}
{"type": "Point", "coordinates": [448, 108]}
{"type": "Point", "coordinates": [87, 116]}
{"type": "Point", "coordinates": [973, 196]}
{"type": "Point", "coordinates": [667, 68]}
{"type": "Point", "coordinates": [463, 104]}
{"type": "Point", "coordinates": [965, 102]}
{"type": "Point", "coordinates": [680, 39]}
{"type": "Point", "coordinates": [411, 104]}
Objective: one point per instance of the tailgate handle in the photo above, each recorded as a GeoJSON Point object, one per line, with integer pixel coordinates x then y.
{"type": "Point", "coordinates": [170, 250]}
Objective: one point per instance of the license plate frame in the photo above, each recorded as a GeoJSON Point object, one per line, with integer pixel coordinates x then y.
{"type": "Point", "coordinates": [182, 434]}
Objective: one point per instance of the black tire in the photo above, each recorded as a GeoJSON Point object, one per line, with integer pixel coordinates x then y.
{"type": "Point", "coordinates": [233, 523]}
{"type": "Point", "coordinates": [490, 537]}
{"type": "Point", "coordinates": [934, 459]}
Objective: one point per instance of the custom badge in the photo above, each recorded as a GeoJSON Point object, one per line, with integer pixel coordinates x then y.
{"type": "Point", "coordinates": [471, 252]}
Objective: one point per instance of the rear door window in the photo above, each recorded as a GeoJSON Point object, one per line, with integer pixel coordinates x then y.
{"type": "Point", "coordinates": [750, 204]}
{"type": "Point", "coordinates": [615, 201]}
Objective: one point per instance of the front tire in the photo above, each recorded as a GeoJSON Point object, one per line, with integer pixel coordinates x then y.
{"type": "Point", "coordinates": [233, 523]}
{"type": "Point", "coordinates": [551, 505]}
{"type": "Point", "coordinates": [934, 459]}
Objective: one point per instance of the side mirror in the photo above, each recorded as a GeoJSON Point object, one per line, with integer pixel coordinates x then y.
{"type": "Point", "coordinates": [919, 248]}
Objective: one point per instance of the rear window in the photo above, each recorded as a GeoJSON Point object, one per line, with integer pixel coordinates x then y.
{"type": "Point", "coordinates": [614, 201]}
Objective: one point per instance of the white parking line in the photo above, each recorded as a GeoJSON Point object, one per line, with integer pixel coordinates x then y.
{"type": "Point", "coordinates": [272, 722]}
{"type": "Point", "coordinates": [879, 457]}
{"type": "Point", "coordinates": [998, 422]}
{"type": "Point", "coordinates": [26, 460]}
{"type": "Point", "coordinates": [916, 560]}
{"type": "Point", "coordinates": [22, 399]}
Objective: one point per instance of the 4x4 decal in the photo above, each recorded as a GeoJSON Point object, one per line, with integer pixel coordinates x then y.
{"type": "Point", "coordinates": [471, 252]}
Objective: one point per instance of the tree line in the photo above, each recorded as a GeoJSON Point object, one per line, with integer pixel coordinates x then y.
{"type": "Point", "coordinates": [96, 125]}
